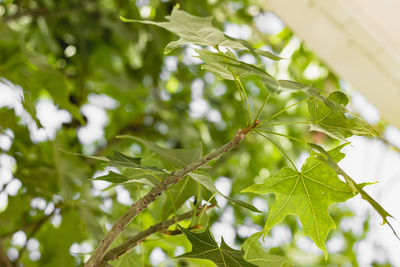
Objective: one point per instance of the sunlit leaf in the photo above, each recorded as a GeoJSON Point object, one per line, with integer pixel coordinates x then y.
{"type": "Point", "coordinates": [328, 159]}
{"type": "Point", "coordinates": [307, 194]}
{"type": "Point", "coordinates": [332, 119]}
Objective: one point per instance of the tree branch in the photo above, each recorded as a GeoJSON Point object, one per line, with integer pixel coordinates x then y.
{"type": "Point", "coordinates": [125, 247]}
{"type": "Point", "coordinates": [150, 197]}
{"type": "Point", "coordinates": [4, 260]}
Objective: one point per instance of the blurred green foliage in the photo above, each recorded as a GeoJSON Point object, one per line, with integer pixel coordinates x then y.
{"type": "Point", "coordinates": [69, 53]}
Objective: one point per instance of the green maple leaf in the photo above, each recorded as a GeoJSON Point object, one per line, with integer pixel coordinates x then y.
{"type": "Point", "coordinates": [204, 246]}
{"type": "Point", "coordinates": [356, 188]}
{"type": "Point", "coordinates": [329, 117]}
{"type": "Point", "coordinates": [191, 30]}
{"type": "Point", "coordinates": [307, 194]}
{"type": "Point", "coordinates": [199, 31]}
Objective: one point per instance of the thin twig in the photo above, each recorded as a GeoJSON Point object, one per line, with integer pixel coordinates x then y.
{"type": "Point", "coordinates": [283, 110]}
{"type": "Point", "coordinates": [36, 228]}
{"type": "Point", "coordinates": [150, 197]}
{"type": "Point", "coordinates": [125, 247]}
{"type": "Point", "coordinates": [34, 223]}
{"type": "Point", "coordinates": [283, 135]}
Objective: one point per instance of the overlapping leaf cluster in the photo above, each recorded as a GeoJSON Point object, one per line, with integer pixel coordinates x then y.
{"type": "Point", "coordinates": [307, 193]}
{"type": "Point", "coordinates": [58, 205]}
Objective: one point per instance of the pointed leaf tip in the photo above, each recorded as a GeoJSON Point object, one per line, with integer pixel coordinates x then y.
{"type": "Point", "coordinates": [307, 194]}
{"type": "Point", "coordinates": [205, 247]}
{"type": "Point", "coordinates": [127, 20]}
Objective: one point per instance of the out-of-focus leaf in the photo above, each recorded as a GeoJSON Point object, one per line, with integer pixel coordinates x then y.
{"type": "Point", "coordinates": [128, 260]}
{"type": "Point", "coordinates": [307, 194]}
{"type": "Point", "coordinates": [256, 254]}
{"type": "Point", "coordinates": [182, 191]}
{"type": "Point", "coordinates": [120, 160]}
{"type": "Point", "coordinates": [204, 246]}
{"type": "Point", "coordinates": [86, 156]}
{"type": "Point", "coordinates": [267, 54]}
{"type": "Point", "coordinates": [177, 157]}
{"type": "Point", "coordinates": [208, 183]}
{"type": "Point", "coordinates": [117, 178]}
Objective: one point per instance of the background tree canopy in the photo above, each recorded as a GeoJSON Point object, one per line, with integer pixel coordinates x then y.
{"type": "Point", "coordinates": [73, 76]}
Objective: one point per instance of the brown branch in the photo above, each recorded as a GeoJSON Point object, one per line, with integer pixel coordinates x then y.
{"type": "Point", "coordinates": [150, 197]}
{"type": "Point", "coordinates": [4, 260]}
{"type": "Point", "coordinates": [125, 247]}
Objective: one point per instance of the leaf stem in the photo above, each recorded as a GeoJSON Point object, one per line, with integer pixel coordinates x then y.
{"type": "Point", "coordinates": [208, 203]}
{"type": "Point", "coordinates": [241, 89]}
{"type": "Point", "coordinates": [283, 135]}
{"type": "Point", "coordinates": [289, 123]}
{"type": "Point", "coordinates": [283, 110]}
{"type": "Point", "coordinates": [280, 148]}
{"type": "Point", "coordinates": [168, 193]}
{"type": "Point", "coordinates": [262, 107]}
{"type": "Point", "coordinates": [151, 196]}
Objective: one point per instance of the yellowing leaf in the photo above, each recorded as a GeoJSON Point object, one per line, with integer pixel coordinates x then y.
{"type": "Point", "coordinates": [307, 194]}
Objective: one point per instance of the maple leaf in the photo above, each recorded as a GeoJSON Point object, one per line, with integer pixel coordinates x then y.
{"type": "Point", "coordinates": [307, 194]}
{"type": "Point", "coordinates": [204, 246]}
{"type": "Point", "coordinates": [191, 30]}
{"type": "Point", "coordinates": [199, 31]}
{"type": "Point", "coordinates": [329, 117]}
